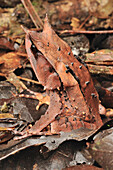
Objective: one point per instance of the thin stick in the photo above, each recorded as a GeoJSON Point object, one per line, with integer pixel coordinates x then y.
{"type": "Point", "coordinates": [72, 32]}
{"type": "Point", "coordinates": [31, 11]}
{"type": "Point", "coordinates": [84, 21]}
{"type": "Point", "coordinates": [26, 79]}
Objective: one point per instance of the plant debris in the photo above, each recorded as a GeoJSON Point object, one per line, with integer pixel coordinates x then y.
{"type": "Point", "coordinates": [56, 85]}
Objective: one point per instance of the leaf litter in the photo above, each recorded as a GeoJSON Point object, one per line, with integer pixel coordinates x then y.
{"type": "Point", "coordinates": [58, 69]}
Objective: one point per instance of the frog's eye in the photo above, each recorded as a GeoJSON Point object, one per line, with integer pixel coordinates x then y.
{"type": "Point", "coordinates": [69, 53]}
{"type": "Point", "coordinates": [48, 44]}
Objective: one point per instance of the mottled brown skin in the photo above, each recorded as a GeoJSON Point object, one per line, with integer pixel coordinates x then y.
{"type": "Point", "coordinates": [74, 102]}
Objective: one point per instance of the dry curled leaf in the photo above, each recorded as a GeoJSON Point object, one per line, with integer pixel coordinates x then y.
{"type": "Point", "coordinates": [10, 61]}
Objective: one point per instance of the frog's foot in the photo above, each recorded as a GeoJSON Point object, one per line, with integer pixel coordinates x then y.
{"type": "Point", "coordinates": [42, 97]}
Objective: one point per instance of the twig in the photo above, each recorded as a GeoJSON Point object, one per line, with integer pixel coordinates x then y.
{"type": "Point", "coordinates": [72, 32]}
{"type": "Point", "coordinates": [84, 21]}
{"type": "Point", "coordinates": [32, 81]}
{"type": "Point", "coordinates": [31, 11]}
{"type": "Point", "coordinates": [67, 156]}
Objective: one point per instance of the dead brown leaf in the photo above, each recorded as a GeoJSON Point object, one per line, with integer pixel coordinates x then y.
{"type": "Point", "coordinates": [101, 9]}
{"type": "Point", "coordinates": [100, 62]}
{"type": "Point", "coordinates": [10, 61]}
{"type": "Point", "coordinates": [83, 167]}
{"type": "Point", "coordinates": [6, 43]}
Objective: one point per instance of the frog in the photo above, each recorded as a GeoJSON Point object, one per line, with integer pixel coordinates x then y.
{"type": "Point", "coordinates": [74, 101]}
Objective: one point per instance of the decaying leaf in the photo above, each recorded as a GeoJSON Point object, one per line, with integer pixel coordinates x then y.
{"type": "Point", "coordinates": [6, 43]}
{"type": "Point", "coordinates": [106, 96]}
{"type": "Point", "coordinates": [66, 155]}
{"type": "Point", "coordinates": [101, 9]}
{"type": "Point", "coordinates": [100, 62]}
{"type": "Point", "coordinates": [6, 116]}
{"type": "Point", "coordinates": [13, 79]}
{"type": "Point", "coordinates": [73, 102]}
{"type": "Point", "coordinates": [75, 23]}
{"type": "Point", "coordinates": [50, 143]}
{"type": "Point", "coordinates": [11, 61]}
{"type": "Point", "coordinates": [109, 112]}
{"type": "Point", "coordinates": [102, 149]}
{"type": "Point", "coordinates": [79, 44]}
{"type": "Point", "coordinates": [14, 112]}
{"type": "Point", "coordinates": [83, 167]}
